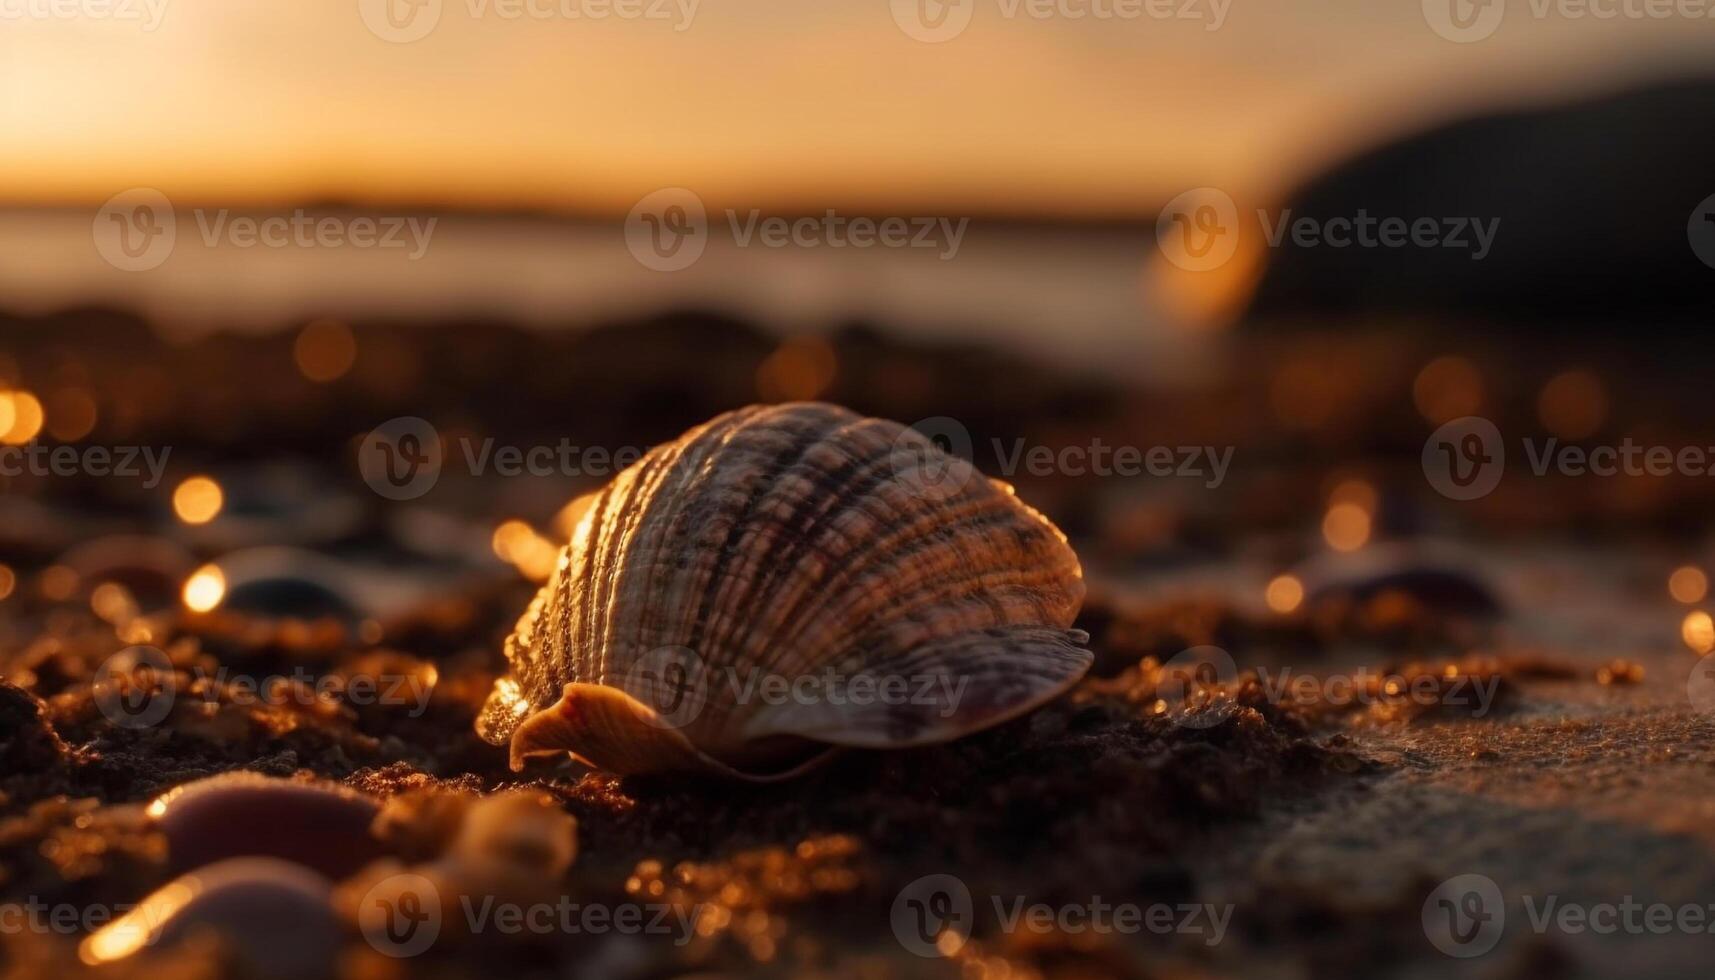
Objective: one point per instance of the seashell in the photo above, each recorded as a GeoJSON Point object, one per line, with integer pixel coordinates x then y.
{"type": "Point", "coordinates": [794, 543]}
{"type": "Point", "coordinates": [318, 825]}
{"type": "Point", "coordinates": [275, 917]}
{"type": "Point", "coordinates": [515, 831]}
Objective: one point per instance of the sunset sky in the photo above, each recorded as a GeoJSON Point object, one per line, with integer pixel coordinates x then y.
{"type": "Point", "coordinates": [771, 103]}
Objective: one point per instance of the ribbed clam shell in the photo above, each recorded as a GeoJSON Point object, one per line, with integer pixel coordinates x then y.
{"type": "Point", "coordinates": [796, 541]}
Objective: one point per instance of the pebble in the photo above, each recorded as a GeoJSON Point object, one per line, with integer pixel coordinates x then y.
{"type": "Point", "coordinates": [317, 825]}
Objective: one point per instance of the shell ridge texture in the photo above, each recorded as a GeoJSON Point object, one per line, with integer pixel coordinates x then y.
{"type": "Point", "coordinates": [788, 545]}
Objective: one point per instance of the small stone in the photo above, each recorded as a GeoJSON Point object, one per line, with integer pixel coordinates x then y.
{"type": "Point", "coordinates": [317, 825]}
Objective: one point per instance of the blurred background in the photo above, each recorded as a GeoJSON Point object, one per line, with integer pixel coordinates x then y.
{"type": "Point", "coordinates": [486, 178]}
{"type": "Point", "coordinates": [239, 243]}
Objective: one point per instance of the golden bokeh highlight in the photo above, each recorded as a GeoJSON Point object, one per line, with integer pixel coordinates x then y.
{"type": "Point", "coordinates": [1688, 584]}
{"type": "Point", "coordinates": [799, 369]}
{"type": "Point", "coordinates": [1284, 594]}
{"type": "Point", "coordinates": [324, 350]}
{"type": "Point", "coordinates": [1361, 493]}
{"type": "Point", "coordinates": [1698, 632]}
{"type": "Point", "coordinates": [198, 500]}
{"type": "Point", "coordinates": [1573, 404]}
{"type": "Point", "coordinates": [25, 417]}
{"type": "Point", "coordinates": [1346, 527]}
{"type": "Point", "coordinates": [205, 589]}
{"type": "Point", "coordinates": [8, 581]}
{"type": "Point", "coordinates": [1447, 388]}
{"type": "Point", "coordinates": [113, 603]}
{"type": "Point", "coordinates": [140, 927]}
{"type": "Point", "coordinates": [518, 544]}
{"type": "Point", "coordinates": [1207, 300]}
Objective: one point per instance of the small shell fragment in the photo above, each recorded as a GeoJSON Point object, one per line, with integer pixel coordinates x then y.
{"type": "Point", "coordinates": [517, 831]}
{"type": "Point", "coordinates": [780, 581]}
{"type": "Point", "coordinates": [275, 917]}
